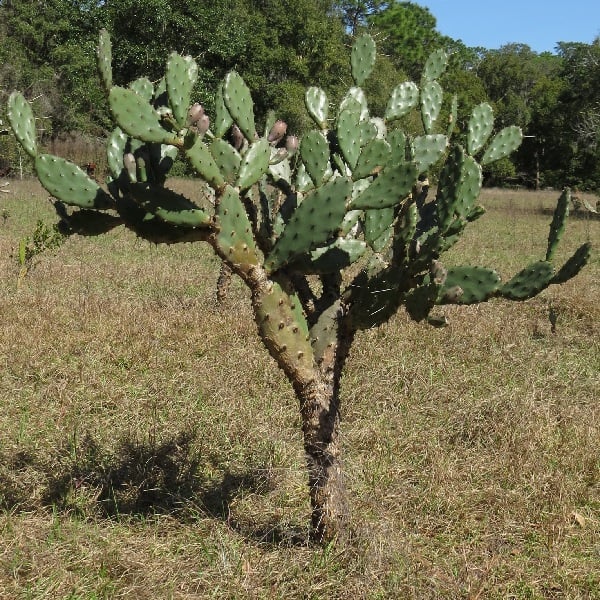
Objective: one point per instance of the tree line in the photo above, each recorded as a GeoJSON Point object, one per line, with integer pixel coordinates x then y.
{"type": "Point", "coordinates": [280, 47]}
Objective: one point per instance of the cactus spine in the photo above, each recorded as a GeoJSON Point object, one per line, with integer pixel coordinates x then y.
{"type": "Point", "coordinates": [352, 193]}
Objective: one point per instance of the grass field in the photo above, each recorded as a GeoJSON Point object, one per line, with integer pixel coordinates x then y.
{"type": "Point", "coordinates": [150, 449]}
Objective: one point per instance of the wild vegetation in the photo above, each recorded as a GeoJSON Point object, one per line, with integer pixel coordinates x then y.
{"type": "Point", "coordinates": [88, 479]}
{"type": "Point", "coordinates": [139, 460]}
{"type": "Point", "coordinates": [282, 47]}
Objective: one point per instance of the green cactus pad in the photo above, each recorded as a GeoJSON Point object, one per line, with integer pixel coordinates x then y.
{"type": "Point", "coordinates": [397, 141]}
{"type": "Point", "coordinates": [378, 227]}
{"type": "Point", "coordinates": [507, 141]}
{"type": "Point", "coordinates": [143, 87]}
{"type": "Point", "coordinates": [331, 258]}
{"type": "Point", "coordinates": [137, 118]}
{"type": "Point", "coordinates": [304, 183]}
{"type": "Point", "coordinates": [452, 116]}
{"type": "Point", "coordinates": [255, 163]}
{"type": "Point", "coordinates": [481, 124]}
{"type": "Point", "coordinates": [314, 151]}
{"type": "Point", "coordinates": [391, 187]}
{"type": "Point", "coordinates": [367, 131]}
{"type": "Point", "coordinates": [223, 120]}
{"type": "Point", "coordinates": [574, 264]}
{"type": "Point", "coordinates": [374, 297]}
{"type": "Point", "coordinates": [362, 58]}
{"type": "Point", "coordinates": [234, 240]}
{"type": "Point", "coordinates": [432, 96]}
{"type": "Point", "coordinates": [104, 58]}
{"type": "Point", "coordinates": [281, 170]}
{"type": "Point", "coordinates": [283, 328]}
{"type": "Point", "coordinates": [115, 149]}
{"type": "Point", "coordinates": [202, 160]}
{"type": "Point", "coordinates": [323, 333]}
{"type": "Point", "coordinates": [435, 65]}
{"type": "Point", "coordinates": [169, 206]}
{"type": "Point", "coordinates": [405, 229]}
{"type": "Point", "coordinates": [468, 189]}
{"type": "Point", "coordinates": [529, 282]}
{"type": "Point", "coordinates": [317, 106]}
{"type": "Point", "coordinates": [67, 182]}
{"type": "Point", "coordinates": [477, 284]}
{"type": "Point", "coordinates": [239, 104]}
{"type": "Point", "coordinates": [373, 157]}
{"type": "Point", "coordinates": [180, 76]}
{"type": "Point", "coordinates": [404, 98]}
{"type": "Point", "coordinates": [227, 158]}
{"type": "Point", "coordinates": [356, 94]}
{"type": "Point", "coordinates": [22, 122]}
{"type": "Point", "coordinates": [420, 300]}
{"type": "Point", "coordinates": [458, 187]}
{"type": "Point", "coordinates": [312, 223]}
{"type": "Point", "coordinates": [559, 219]}
{"type": "Point", "coordinates": [427, 150]}
{"type": "Point", "coordinates": [348, 132]}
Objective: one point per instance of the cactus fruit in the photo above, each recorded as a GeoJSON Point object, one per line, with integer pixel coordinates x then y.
{"type": "Point", "coordinates": [331, 233]}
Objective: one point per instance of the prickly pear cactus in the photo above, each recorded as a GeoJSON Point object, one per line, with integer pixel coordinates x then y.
{"type": "Point", "coordinates": [347, 206]}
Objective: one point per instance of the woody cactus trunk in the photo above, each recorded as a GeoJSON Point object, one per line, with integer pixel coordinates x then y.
{"type": "Point", "coordinates": [332, 234]}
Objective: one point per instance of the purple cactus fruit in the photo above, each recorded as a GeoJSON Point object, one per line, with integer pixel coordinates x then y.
{"type": "Point", "coordinates": [195, 113]}
{"type": "Point", "coordinates": [291, 144]}
{"type": "Point", "coordinates": [237, 137]}
{"type": "Point", "coordinates": [277, 132]}
{"type": "Point", "coordinates": [203, 123]}
{"type": "Point", "coordinates": [130, 166]}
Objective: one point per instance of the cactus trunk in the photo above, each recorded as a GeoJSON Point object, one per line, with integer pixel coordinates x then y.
{"type": "Point", "coordinates": [320, 425]}
{"type": "Point", "coordinates": [320, 410]}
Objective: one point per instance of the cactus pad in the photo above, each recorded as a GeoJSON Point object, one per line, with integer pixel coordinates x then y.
{"type": "Point", "coordinates": [314, 150]}
{"type": "Point", "coordinates": [477, 284]}
{"type": "Point", "coordinates": [431, 104]}
{"type": "Point", "coordinates": [481, 124]}
{"type": "Point", "coordinates": [373, 157]}
{"type": "Point", "coordinates": [22, 122]}
{"type": "Point", "coordinates": [137, 118]}
{"type": "Point", "coordinates": [574, 264]}
{"type": "Point", "coordinates": [312, 223]}
{"type": "Point", "coordinates": [435, 65]}
{"type": "Point", "coordinates": [427, 150]}
{"type": "Point", "coordinates": [255, 163]}
{"type": "Point", "coordinates": [180, 77]}
{"type": "Point", "coordinates": [67, 182]}
{"type": "Point", "coordinates": [235, 240]}
{"type": "Point", "coordinates": [557, 227]}
{"type": "Point", "coordinates": [169, 206]}
{"type": "Point", "coordinates": [404, 98]}
{"type": "Point", "coordinates": [227, 159]}
{"type": "Point", "coordinates": [507, 141]}
{"type": "Point", "coordinates": [104, 58]}
{"type": "Point", "coordinates": [529, 282]}
{"type": "Point", "coordinates": [362, 58]}
{"type": "Point", "coordinates": [203, 161]}
{"type": "Point", "coordinates": [223, 120]}
{"type": "Point", "coordinates": [115, 149]}
{"type": "Point", "coordinates": [389, 189]}
{"type": "Point", "coordinates": [239, 104]}
{"type": "Point", "coordinates": [317, 106]}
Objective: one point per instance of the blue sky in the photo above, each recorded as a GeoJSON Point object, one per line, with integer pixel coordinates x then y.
{"type": "Point", "coordinates": [538, 23]}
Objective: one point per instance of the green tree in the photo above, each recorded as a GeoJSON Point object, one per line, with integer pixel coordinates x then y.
{"type": "Point", "coordinates": [408, 35]}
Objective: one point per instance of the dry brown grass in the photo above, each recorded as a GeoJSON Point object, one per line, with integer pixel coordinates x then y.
{"type": "Point", "coordinates": [150, 449]}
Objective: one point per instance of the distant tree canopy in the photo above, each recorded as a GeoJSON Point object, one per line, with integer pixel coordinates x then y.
{"type": "Point", "coordinates": [47, 49]}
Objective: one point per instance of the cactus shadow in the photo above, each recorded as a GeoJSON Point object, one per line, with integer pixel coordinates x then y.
{"type": "Point", "coordinates": [134, 479]}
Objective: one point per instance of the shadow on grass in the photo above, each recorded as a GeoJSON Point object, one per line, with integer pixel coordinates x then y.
{"type": "Point", "coordinates": [137, 479]}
